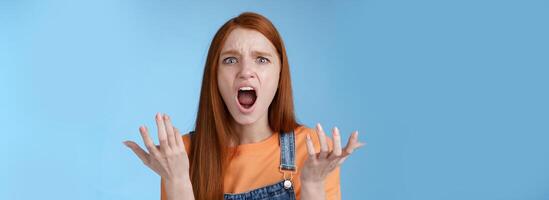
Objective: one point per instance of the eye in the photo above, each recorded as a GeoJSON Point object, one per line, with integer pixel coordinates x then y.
{"type": "Point", "coordinates": [262, 59]}
{"type": "Point", "coordinates": [230, 60]}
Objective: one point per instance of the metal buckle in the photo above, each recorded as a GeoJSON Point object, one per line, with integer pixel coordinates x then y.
{"type": "Point", "coordinates": [287, 182]}
{"type": "Point", "coordinates": [283, 171]}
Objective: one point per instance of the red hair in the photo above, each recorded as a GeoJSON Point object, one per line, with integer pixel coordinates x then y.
{"type": "Point", "coordinates": [209, 152]}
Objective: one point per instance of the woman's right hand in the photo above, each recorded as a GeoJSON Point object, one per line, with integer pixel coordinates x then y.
{"type": "Point", "coordinates": [169, 159]}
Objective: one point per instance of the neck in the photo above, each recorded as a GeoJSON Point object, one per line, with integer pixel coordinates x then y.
{"type": "Point", "coordinates": [254, 132]}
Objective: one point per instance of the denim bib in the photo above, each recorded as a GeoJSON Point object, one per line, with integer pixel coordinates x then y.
{"type": "Point", "coordinates": [283, 190]}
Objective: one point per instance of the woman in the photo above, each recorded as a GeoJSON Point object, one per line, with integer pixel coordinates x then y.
{"type": "Point", "coordinates": [247, 143]}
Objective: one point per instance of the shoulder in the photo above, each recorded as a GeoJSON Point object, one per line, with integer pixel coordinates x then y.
{"type": "Point", "coordinates": [187, 140]}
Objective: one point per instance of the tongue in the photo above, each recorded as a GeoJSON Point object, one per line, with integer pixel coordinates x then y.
{"type": "Point", "coordinates": [246, 97]}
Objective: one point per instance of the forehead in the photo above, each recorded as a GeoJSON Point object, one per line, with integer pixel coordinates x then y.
{"type": "Point", "coordinates": [241, 39]}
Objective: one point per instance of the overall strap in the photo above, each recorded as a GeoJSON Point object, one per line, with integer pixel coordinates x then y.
{"type": "Point", "coordinates": [287, 151]}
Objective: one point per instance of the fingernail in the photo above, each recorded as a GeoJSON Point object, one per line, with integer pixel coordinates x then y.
{"type": "Point", "coordinates": [165, 116]}
{"type": "Point", "coordinates": [308, 137]}
{"type": "Point", "coordinates": [125, 143]}
{"type": "Point", "coordinates": [158, 116]}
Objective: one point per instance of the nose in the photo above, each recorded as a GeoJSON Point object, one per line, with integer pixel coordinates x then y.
{"type": "Point", "coordinates": [246, 71]}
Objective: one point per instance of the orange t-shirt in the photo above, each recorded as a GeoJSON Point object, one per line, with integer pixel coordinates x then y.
{"type": "Point", "coordinates": [257, 165]}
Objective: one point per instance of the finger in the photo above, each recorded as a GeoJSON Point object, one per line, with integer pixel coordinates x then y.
{"type": "Point", "coordinates": [169, 131]}
{"type": "Point", "coordinates": [323, 143]}
{"type": "Point", "coordinates": [179, 139]}
{"type": "Point", "coordinates": [310, 147]}
{"type": "Point", "coordinates": [337, 143]}
{"type": "Point", "coordinates": [144, 156]}
{"type": "Point", "coordinates": [346, 155]}
{"type": "Point", "coordinates": [162, 135]}
{"type": "Point", "coordinates": [147, 140]}
{"type": "Point", "coordinates": [352, 144]}
{"type": "Point", "coordinates": [342, 159]}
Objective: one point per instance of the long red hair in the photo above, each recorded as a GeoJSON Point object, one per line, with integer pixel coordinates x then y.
{"type": "Point", "coordinates": [209, 153]}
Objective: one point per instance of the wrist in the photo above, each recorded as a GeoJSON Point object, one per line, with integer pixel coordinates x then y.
{"type": "Point", "coordinates": [312, 185]}
{"type": "Point", "coordinates": [312, 190]}
{"type": "Point", "coordinates": [184, 181]}
{"type": "Point", "coordinates": [314, 182]}
{"type": "Point", "coordinates": [178, 189]}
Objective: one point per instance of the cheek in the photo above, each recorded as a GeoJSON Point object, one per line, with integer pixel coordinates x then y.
{"type": "Point", "coordinates": [224, 83]}
{"type": "Point", "coordinates": [271, 83]}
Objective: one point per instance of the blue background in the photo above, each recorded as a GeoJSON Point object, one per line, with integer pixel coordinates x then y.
{"type": "Point", "coordinates": [451, 96]}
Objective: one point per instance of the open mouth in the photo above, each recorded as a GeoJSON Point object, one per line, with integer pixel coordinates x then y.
{"type": "Point", "coordinates": [246, 97]}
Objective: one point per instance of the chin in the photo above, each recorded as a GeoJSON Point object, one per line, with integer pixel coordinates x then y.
{"type": "Point", "coordinates": [245, 120]}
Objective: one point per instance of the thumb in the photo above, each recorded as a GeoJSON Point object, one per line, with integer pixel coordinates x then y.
{"type": "Point", "coordinates": [144, 156]}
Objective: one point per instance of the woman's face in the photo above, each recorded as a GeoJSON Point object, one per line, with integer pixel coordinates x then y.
{"type": "Point", "coordinates": [249, 69]}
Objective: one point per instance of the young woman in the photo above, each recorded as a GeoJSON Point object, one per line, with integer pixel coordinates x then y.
{"type": "Point", "coordinates": [246, 143]}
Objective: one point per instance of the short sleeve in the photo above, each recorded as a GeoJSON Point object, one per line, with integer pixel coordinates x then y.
{"type": "Point", "coordinates": [162, 190]}
{"type": "Point", "coordinates": [332, 185]}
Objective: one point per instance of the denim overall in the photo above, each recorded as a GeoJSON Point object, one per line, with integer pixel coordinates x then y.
{"type": "Point", "coordinates": [282, 190]}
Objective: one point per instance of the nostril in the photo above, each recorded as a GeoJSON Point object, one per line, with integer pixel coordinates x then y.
{"type": "Point", "coordinates": [246, 74]}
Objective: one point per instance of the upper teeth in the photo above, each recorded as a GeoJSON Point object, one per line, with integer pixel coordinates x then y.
{"type": "Point", "coordinates": [246, 88]}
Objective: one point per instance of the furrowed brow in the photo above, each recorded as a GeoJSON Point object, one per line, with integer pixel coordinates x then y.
{"type": "Point", "coordinates": [262, 53]}
{"type": "Point", "coordinates": [230, 51]}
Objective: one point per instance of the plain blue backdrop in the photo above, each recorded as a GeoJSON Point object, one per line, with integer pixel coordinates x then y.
{"type": "Point", "coordinates": [451, 96]}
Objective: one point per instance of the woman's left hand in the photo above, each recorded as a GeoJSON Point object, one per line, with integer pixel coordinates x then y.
{"type": "Point", "coordinates": [319, 165]}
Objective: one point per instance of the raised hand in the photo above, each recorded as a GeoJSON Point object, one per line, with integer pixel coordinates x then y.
{"type": "Point", "coordinates": [319, 165]}
{"type": "Point", "coordinates": [169, 159]}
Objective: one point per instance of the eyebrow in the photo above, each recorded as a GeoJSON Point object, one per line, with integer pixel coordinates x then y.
{"type": "Point", "coordinates": [255, 52]}
{"type": "Point", "coordinates": [232, 51]}
{"type": "Point", "coordinates": [263, 53]}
